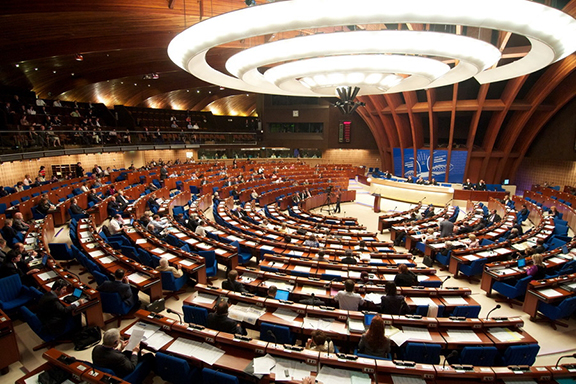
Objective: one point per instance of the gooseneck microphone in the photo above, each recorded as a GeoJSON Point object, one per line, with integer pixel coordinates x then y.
{"type": "Point", "coordinates": [561, 357]}
{"type": "Point", "coordinates": [450, 355]}
{"type": "Point", "coordinates": [273, 336]}
{"type": "Point", "coordinates": [498, 306]}
{"type": "Point", "coordinates": [174, 312]}
{"type": "Point", "coordinates": [443, 281]}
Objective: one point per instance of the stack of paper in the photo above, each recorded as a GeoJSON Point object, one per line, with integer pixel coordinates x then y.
{"type": "Point", "coordinates": [286, 314]}
{"type": "Point", "coordinates": [464, 335]}
{"type": "Point", "coordinates": [505, 334]}
{"type": "Point", "coordinates": [454, 300]}
{"type": "Point", "coordinates": [263, 365]}
{"type": "Point", "coordinates": [340, 376]}
{"type": "Point", "coordinates": [245, 312]}
{"type": "Point", "coordinates": [201, 351]}
{"type": "Point", "coordinates": [315, 323]}
{"type": "Point", "coordinates": [401, 379]}
{"type": "Point", "coordinates": [297, 370]}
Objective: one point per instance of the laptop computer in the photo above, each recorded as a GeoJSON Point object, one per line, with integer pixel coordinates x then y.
{"type": "Point", "coordinates": [76, 295]}
{"type": "Point", "coordinates": [282, 295]}
{"type": "Point", "coordinates": [368, 318]}
{"type": "Point", "coordinates": [521, 263]}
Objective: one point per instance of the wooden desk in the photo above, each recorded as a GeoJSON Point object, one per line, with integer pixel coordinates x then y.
{"type": "Point", "coordinates": [534, 294]}
{"type": "Point", "coordinates": [8, 344]}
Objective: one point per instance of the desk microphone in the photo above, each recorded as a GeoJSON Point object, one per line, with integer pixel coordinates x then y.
{"type": "Point", "coordinates": [273, 336]}
{"type": "Point", "coordinates": [174, 312]}
{"type": "Point", "coordinates": [329, 284]}
{"type": "Point", "coordinates": [424, 198]}
{"type": "Point", "coordinates": [498, 306]}
{"type": "Point", "coordinates": [443, 281]}
{"type": "Point", "coordinates": [451, 355]}
{"type": "Point", "coordinates": [561, 357]}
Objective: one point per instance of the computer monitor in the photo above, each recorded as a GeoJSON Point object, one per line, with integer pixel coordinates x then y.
{"type": "Point", "coordinates": [77, 292]}
{"type": "Point", "coordinates": [131, 221]}
{"type": "Point", "coordinates": [506, 181]}
{"type": "Point", "coordinates": [45, 259]}
{"type": "Point", "coordinates": [521, 263]}
{"type": "Point", "coordinates": [282, 294]}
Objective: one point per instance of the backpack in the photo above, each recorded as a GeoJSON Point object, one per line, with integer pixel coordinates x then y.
{"type": "Point", "coordinates": [54, 375]}
{"type": "Point", "coordinates": [86, 337]}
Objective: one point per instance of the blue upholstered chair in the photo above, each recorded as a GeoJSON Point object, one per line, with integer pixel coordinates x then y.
{"type": "Point", "coordinates": [174, 369]}
{"type": "Point", "coordinates": [479, 356]}
{"type": "Point", "coordinates": [14, 295]}
{"type": "Point", "coordinates": [113, 304]}
{"type": "Point", "coordinates": [474, 268]}
{"type": "Point", "coordinates": [210, 376]}
{"type": "Point", "coordinates": [173, 285]}
{"type": "Point", "coordinates": [467, 311]}
{"type": "Point", "coordinates": [283, 334]}
{"type": "Point", "coordinates": [554, 312]}
{"type": "Point", "coordinates": [139, 373]}
{"type": "Point", "coordinates": [195, 315]}
{"type": "Point", "coordinates": [48, 339]}
{"type": "Point", "coordinates": [423, 353]}
{"type": "Point", "coordinates": [520, 354]}
{"type": "Point", "coordinates": [511, 292]}
{"type": "Point", "coordinates": [243, 255]}
{"type": "Point", "coordinates": [210, 261]}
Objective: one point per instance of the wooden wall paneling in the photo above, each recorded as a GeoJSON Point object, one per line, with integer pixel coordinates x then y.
{"type": "Point", "coordinates": [452, 123]}
{"type": "Point", "coordinates": [512, 88]}
{"type": "Point", "coordinates": [474, 125]}
{"type": "Point", "coordinates": [547, 83]}
{"type": "Point", "coordinates": [376, 126]}
{"type": "Point", "coordinates": [393, 101]}
{"type": "Point", "coordinates": [432, 123]}
{"type": "Point", "coordinates": [415, 125]}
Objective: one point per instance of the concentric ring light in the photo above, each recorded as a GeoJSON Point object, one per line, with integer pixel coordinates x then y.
{"type": "Point", "coordinates": [378, 61]}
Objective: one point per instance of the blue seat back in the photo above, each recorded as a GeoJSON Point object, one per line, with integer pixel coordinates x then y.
{"type": "Point", "coordinates": [423, 353]}
{"type": "Point", "coordinates": [282, 333]}
{"type": "Point", "coordinates": [210, 376]}
{"type": "Point", "coordinates": [112, 303]}
{"type": "Point", "coordinates": [468, 311]}
{"type": "Point", "coordinates": [521, 354]}
{"type": "Point", "coordinates": [194, 314]}
{"type": "Point", "coordinates": [10, 287]}
{"type": "Point", "coordinates": [173, 369]}
{"type": "Point", "coordinates": [170, 283]}
{"type": "Point", "coordinates": [479, 356]}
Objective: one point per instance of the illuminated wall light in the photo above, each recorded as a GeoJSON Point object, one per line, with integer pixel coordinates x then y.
{"type": "Point", "coordinates": [17, 65]}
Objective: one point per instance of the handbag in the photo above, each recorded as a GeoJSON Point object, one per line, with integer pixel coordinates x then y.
{"type": "Point", "coordinates": [428, 261]}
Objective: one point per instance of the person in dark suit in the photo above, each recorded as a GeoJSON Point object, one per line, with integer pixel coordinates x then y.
{"type": "Point", "coordinates": [446, 227]}
{"type": "Point", "coordinates": [2, 253]}
{"type": "Point", "coordinates": [153, 203]}
{"type": "Point", "coordinates": [121, 286]}
{"type": "Point", "coordinates": [113, 206]}
{"type": "Point", "coordinates": [111, 354]}
{"type": "Point", "coordinates": [405, 278]}
{"type": "Point", "coordinates": [232, 283]}
{"type": "Point", "coordinates": [467, 185]}
{"type": "Point", "coordinates": [44, 206]}
{"type": "Point", "coordinates": [92, 196]}
{"type": "Point", "coordinates": [349, 258]}
{"type": "Point", "coordinates": [494, 217]}
{"type": "Point", "coordinates": [18, 223]}
{"type": "Point", "coordinates": [8, 231]}
{"type": "Point", "coordinates": [79, 170]}
{"type": "Point", "coordinates": [122, 201]}
{"type": "Point", "coordinates": [14, 265]}
{"type": "Point", "coordinates": [481, 186]}
{"type": "Point", "coordinates": [163, 173]}
{"type": "Point", "coordinates": [392, 303]}
{"type": "Point", "coordinates": [220, 321]}
{"type": "Point", "coordinates": [53, 315]}
{"type": "Point", "coordinates": [523, 211]}
{"type": "Point", "coordinates": [75, 208]}
{"type": "Point", "coordinates": [338, 201]}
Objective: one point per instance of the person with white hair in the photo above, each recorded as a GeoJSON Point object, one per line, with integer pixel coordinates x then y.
{"type": "Point", "coordinates": [111, 354]}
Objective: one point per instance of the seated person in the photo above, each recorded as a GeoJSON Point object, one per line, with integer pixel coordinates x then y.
{"type": "Point", "coordinates": [200, 230]}
{"type": "Point", "coordinates": [2, 253]}
{"type": "Point", "coordinates": [467, 185]}
{"type": "Point", "coordinates": [392, 303]}
{"type": "Point", "coordinates": [374, 342]}
{"type": "Point", "coordinates": [538, 270]}
{"type": "Point", "coordinates": [158, 224]}
{"type": "Point", "coordinates": [92, 196]}
{"type": "Point", "coordinates": [348, 299]}
{"type": "Point", "coordinates": [405, 278]}
{"type": "Point", "coordinates": [116, 224]}
{"type": "Point", "coordinates": [45, 206]}
{"type": "Point", "coordinates": [14, 265]}
{"type": "Point", "coordinates": [446, 248]}
{"type": "Point", "coordinates": [318, 341]}
{"type": "Point", "coordinates": [349, 258]}
{"type": "Point", "coordinates": [232, 283]}
{"type": "Point", "coordinates": [18, 222]}
{"type": "Point", "coordinates": [220, 321]}
{"type": "Point", "coordinates": [271, 293]}
{"type": "Point", "coordinates": [121, 286]}
{"type": "Point", "coordinates": [111, 354]}
{"type": "Point", "coordinates": [473, 241]}
{"type": "Point", "coordinates": [166, 267]}
{"type": "Point", "coordinates": [8, 231]}
{"type": "Point", "coordinates": [152, 203]}
{"type": "Point", "coordinates": [122, 201]}
{"type": "Point", "coordinates": [75, 208]}
{"type": "Point", "coordinates": [53, 315]}
{"type": "Point", "coordinates": [113, 206]}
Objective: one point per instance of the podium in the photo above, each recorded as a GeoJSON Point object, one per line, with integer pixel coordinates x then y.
{"type": "Point", "coordinates": [377, 202]}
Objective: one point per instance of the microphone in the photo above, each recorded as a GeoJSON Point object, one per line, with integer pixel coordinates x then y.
{"type": "Point", "coordinates": [273, 336]}
{"type": "Point", "coordinates": [498, 306]}
{"type": "Point", "coordinates": [561, 357]}
{"type": "Point", "coordinates": [443, 281]}
{"type": "Point", "coordinates": [329, 340]}
{"type": "Point", "coordinates": [424, 198]}
{"type": "Point", "coordinates": [329, 284]}
{"type": "Point", "coordinates": [450, 355]}
{"type": "Point", "coordinates": [174, 312]}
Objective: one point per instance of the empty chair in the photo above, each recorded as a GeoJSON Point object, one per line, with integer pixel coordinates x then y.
{"type": "Point", "coordinates": [195, 315]}
{"type": "Point", "coordinates": [443, 260]}
{"type": "Point", "coordinates": [244, 256]}
{"type": "Point", "coordinates": [512, 291]}
{"type": "Point", "coordinates": [467, 311]}
{"type": "Point", "coordinates": [474, 268]}
{"type": "Point", "coordinates": [479, 356]}
{"type": "Point", "coordinates": [209, 376]}
{"type": "Point", "coordinates": [520, 354]}
{"type": "Point", "coordinates": [276, 334]}
{"type": "Point", "coordinates": [423, 353]}
{"type": "Point", "coordinates": [60, 251]}
{"type": "Point", "coordinates": [13, 294]}
{"type": "Point", "coordinates": [554, 312]}
{"type": "Point", "coordinates": [35, 324]}
{"type": "Point", "coordinates": [174, 369]}
{"type": "Point", "coordinates": [210, 261]}
{"type": "Point", "coordinates": [35, 214]}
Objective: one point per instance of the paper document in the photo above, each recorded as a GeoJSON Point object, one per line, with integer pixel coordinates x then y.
{"type": "Point", "coordinates": [186, 263]}
{"type": "Point", "coordinates": [286, 370]}
{"type": "Point", "coordinates": [464, 335]}
{"type": "Point", "coordinates": [375, 298]}
{"type": "Point", "coordinates": [158, 340]}
{"type": "Point", "coordinates": [141, 241]}
{"type": "Point", "coordinates": [454, 300]}
{"type": "Point", "coordinates": [245, 313]}
{"type": "Point", "coordinates": [47, 275]}
{"type": "Point", "coordinates": [107, 259]}
{"type": "Point", "coordinates": [309, 289]}
{"type": "Point", "coordinates": [263, 365]}
{"type": "Point", "coordinates": [549, 292]}
{"type": "Point", "coordinates": [138, 278]}
{"type": "Point", "coordinates": [471, 257]}
{"type": "Point", "coordinates": [422, 300]}
{"type": "Point", "coordinates": [505, 334]}
{"type": "Point", "coordinates": [401, 379]}
{"type": "Point", "coordinates": [96, 253]}
{"type": "Point", "coordinates": [285, 314]}
{"type": "Point", "coordinates": [201, 351]}
{"type": "Point", "coordinates": [135, 338]}
{"type": "Point", "coordinates": [205, 298]}
{"type": "Point", "coordinates": [316, 323]}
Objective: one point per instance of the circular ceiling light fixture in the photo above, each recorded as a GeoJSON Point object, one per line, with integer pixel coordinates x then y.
{"type": "Point", "coordinates": [321, 45]}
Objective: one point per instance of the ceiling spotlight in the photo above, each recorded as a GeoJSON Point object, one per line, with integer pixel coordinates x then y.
{"type": "Point", "coordinates": [78, 57]}
{"type": "Point", "coordinates": [17, 65]}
